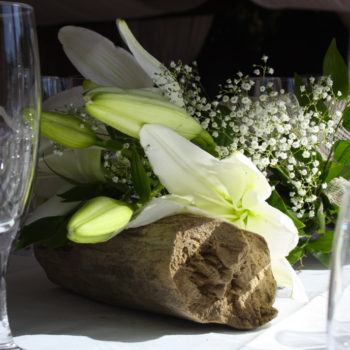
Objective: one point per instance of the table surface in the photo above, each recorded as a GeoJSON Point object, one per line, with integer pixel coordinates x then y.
{"type": "Point", "coordinates": [44, 316]}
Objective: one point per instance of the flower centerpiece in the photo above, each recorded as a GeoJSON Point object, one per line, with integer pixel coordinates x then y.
{"type": "Point", "coordinates": [140, 141]}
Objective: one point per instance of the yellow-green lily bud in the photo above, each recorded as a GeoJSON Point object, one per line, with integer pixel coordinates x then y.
{"type": "Point", "coordinates": [67, 130]}
{"type": "Point", "coordinates": [98, 220]}
{"type": "Point", "coordinates": [128, 111]}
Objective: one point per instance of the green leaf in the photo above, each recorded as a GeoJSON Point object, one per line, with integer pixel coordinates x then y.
{"type": "Point", "coordinates": [113, 145]}
{"type": "Point", "coordinates": [333, 170]}
{"type": "Point", "coordinates": [59, 238]}
{"type": "Point", "coordinates": [298, 223]}
{"type": "Point", "coordinates": [335, 66]}
{"type": "Point", "coordinates": [323, 258]}
{"type": "Point", "coordinates": [80, 193]}
{"type": "Point", "coordinates": [346, 118]}
{"type": "Point", "coordinates": [295, 255]}
{"type": "Point", "coordinates": [89, 191]}
{"type": "Point", "coordinates": [345, 173]}
{"type": "Point", "coordinates": [206, 142]}
{"type": "Point", "coordinates": [50, 231]}
{"type": "Point", "coordinates": [341, 151]}
{"type": "Point", "coordinates": [139, 177]}
{"type": "Point", "coordinates": [323, 244]}
{"type": "Point", "coordinates": [117, 135]}
{"type": "Point", "coordinates": [277, 201]}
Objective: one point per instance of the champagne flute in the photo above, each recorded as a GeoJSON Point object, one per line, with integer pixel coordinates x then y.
{"type": "Point", "coordinates": [19, 128]}
{"type": "Point", "coordinates": [339, 287]}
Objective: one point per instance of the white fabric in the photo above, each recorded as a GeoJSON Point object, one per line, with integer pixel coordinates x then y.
{"type": "Point", "coordinates": [181, 37]}
{"type": "Point", "coordinates": [68, 11]}
{"type": "Point", "coordinates": [306, 329]}
{"type": "Point", "coordinates": [342, 7]}
{"type": "Point", "coordinates": [328, 5]}
{"type": "Point", "coordinates": [46, 317]}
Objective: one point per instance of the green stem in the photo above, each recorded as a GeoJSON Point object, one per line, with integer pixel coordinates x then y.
{"type": "Point", "coordinates": [157, 190]}
{"type": "Point", "coordinates": [112, 145]}
{"type": "Point", "coordinates": [281, 172]}
{"type": "Point", "coordinates": [323, 173]}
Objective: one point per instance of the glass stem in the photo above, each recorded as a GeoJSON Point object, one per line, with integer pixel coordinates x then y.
{"type": "Point", "coordinates": [348, 53]}
{"type": "Point", "coordinates": [6, 239]}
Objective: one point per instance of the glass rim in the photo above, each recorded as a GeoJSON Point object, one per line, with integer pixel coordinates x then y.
{"type": "Point", "coordinates": [17, 4]}
{"type": "Point", "coordinates": [77, 76]}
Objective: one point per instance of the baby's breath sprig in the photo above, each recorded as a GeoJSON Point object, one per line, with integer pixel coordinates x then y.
{"type": "Point", "coordinates": [260, 119]}
{"type": "Point", "coordinates": [196, 102]}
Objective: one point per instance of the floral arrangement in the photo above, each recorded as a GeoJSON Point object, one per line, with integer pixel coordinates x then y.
{"type": "Point", "coordinates": [140, 141]}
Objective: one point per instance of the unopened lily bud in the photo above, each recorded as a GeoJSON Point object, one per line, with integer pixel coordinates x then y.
{"type": "Point", "coordinates": [128, 111]}
{"type": "Point", "coordinates": [67, 130]}
{"type": "Point", "coordinates": [98, 220]}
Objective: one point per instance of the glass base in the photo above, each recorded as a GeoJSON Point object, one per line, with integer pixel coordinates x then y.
{"type": "Point", "coordinates": [10, 346]}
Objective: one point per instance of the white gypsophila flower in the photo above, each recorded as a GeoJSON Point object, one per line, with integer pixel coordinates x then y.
{"type": "Point", "coordinates": [269, 128]}
{"type": "Point", "coordinates": [272, 127]}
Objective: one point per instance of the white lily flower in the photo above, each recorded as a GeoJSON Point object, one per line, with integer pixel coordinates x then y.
{"type": "Point", "coordinates": [232, 189]}
{"type": "Point", "coordinates": [156, 70]}
{"type": "Point", "coordinates": [64, 99]}
{"type": "Point", "coordinates": [79, 165]}
{"type": "Point", "coordinates": [55, 206]}
{"type": "Point", "coordinates": [100, 61]}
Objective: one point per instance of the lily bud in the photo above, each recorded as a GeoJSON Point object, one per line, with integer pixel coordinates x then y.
{"type": "Point", "coordinates": [128, 111]}
{"type": "Point", "coordinates": [67, 130]}
{"type": "Point", "coordinates": [98, 220]}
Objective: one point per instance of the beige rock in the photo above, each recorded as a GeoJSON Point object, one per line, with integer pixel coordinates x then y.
{"type": "Point", "coordinates": [189, 266]}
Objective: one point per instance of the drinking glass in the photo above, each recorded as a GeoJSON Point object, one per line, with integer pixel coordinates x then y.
{"type": "Point", "coordinates": [20, 99]}
{"type": "Point", "coordinates": [339, 288]}
{"type": "Point", "coordinates": [52, 85]}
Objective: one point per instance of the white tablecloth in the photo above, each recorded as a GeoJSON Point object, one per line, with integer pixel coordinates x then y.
{"type": "Point", "coordinates": [46, 317]}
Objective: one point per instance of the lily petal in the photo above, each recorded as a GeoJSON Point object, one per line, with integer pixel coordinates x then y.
{"type": "Point", "coordinates": [285, 276]}
{"type": "Point", "coordinates": [242, 169]}
{"type": "Point", "coordinates": [99, 60]}
{"type": "Point", "coordinates": [52, 207]}
{"type": "Point", "coordinates": [80, 165]}
{"type": "Point", "coordinates": [162, 207]}
{"type": "Point", "coordinates": [183, 168]}
{"type": "Point", "coordinates": [237, 178]}
{"type": "Point", "coordinates": [47, 186]}
{"type": "Point", "coordinates": [277, 228]}
{"type": "Point", "coordinates": [150, 64]}
{"type": "Point", "coordinates": [64, 99]}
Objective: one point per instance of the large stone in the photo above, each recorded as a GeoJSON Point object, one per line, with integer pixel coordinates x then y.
{"type": "Point", "coordinates": [193, 267]}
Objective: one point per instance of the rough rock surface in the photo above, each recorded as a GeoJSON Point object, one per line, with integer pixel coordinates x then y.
{"type": "Point", "coordinates": [193, 267]}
